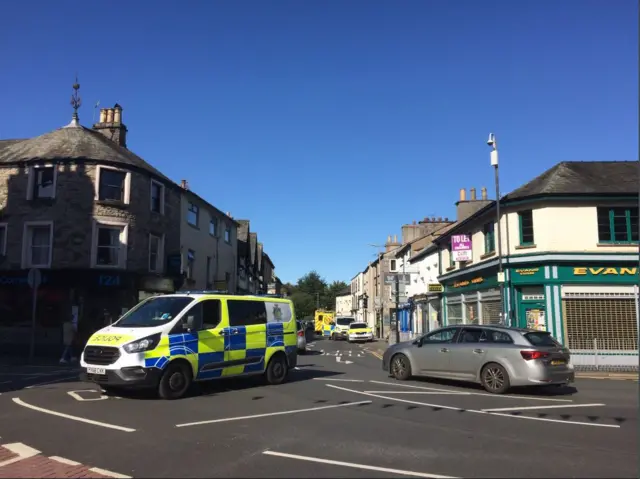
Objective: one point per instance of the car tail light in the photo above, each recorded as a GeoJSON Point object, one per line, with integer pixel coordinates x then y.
{"type": "Point", "coordinates": [529, 355]}
{"type": "Point", "coordinates": [300, 333]}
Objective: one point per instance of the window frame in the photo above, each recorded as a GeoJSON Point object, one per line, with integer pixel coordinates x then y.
{"type": "Point", "coordinates": [190, 273]}
{"type": "Point", "coordinates": [233, 324]}
{"type": "Point", "coordinates": [4, 230]}
{"type": "Point", "coordinates": [227, 232]}
{"type": "Point", "coordinates": [160, 254]}
{"type": "Point", "coordinates": [31, 182]}
{"type": "Point", "coordinates": [489, 237]}
{"type": "Point", "coordinates": [162, 196]}
{"type": "Point", "coordinates": [124, 243]}
{"type": "Point", "coordinates": [521, 226]}
{"type": "Point", "coordinates": [611, 215]}
{"type": "Point", "coordinates": [393, 265]}
{"type": "Point", "coordinates": [454, 338]}
{"type": "Point", "coordinates": [26, 244]}
{"type": "Point", "coordinates": [126, 197]}
{"type": "Point", "coordinates": [191, 204]}
{"type": "Point", "coordinates": [452, 263]}
{"type": "Point", "coordinates": [213, 222]}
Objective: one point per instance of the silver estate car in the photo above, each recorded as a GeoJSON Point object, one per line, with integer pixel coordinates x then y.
{"type": "Point", "coordinates": [497, 357]}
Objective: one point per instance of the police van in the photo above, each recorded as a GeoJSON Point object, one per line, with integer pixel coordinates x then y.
{"type": "Point", "coordinates": [167, 342]}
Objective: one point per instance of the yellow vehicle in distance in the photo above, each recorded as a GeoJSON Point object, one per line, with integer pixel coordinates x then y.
{"type": "Point", "coordinates": [166, 342]}
{"type": "Point", "coordinates": [324, 322]}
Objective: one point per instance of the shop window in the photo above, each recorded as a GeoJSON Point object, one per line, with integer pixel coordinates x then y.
{"type": "Point", "coordinates": [109, 248]}
{"type": "Point", "coordinates": [525, 220]}
{"type": "Point", "coordinates": [489, 238]}
{"type": "Point", "coordinates": [37, 244]}
{"type": "Point", "coordinates": [618, 225]}
{"type": "Point", "coordinates": [113, 184]}
{"type": "Point", "coordinates": [157, 197]}
{"type": "Point", "coordinates": [454, 314]}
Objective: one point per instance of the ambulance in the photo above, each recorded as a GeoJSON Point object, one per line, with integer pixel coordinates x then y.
{"type": "Point", "coordinates": [167, 342]}
{"type": "Point", "coordinates": [324, 322]}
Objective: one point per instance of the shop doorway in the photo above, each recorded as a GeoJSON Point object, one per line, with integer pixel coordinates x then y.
{"type": "Point", "coordinates": [532, 315]}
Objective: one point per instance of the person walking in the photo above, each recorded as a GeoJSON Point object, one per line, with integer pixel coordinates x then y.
{"type": "Point", "coordinates": [68, 336]}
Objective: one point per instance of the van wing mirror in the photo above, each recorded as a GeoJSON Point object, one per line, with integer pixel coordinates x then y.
{"type": "Point", "coordinates": [418, 342]}
{"type": "Point", "coordinates": [190, 323]}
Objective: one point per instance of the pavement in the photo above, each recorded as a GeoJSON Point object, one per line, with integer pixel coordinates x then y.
{"type": "Point", "coordinates": [339, 415]}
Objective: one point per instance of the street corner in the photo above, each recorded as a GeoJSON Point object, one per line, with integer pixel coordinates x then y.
{"type": "Point", "coordinates": [21, 460]}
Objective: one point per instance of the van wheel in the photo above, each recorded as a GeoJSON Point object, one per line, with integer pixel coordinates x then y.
{"type": "Point", "coordinates": [495, 378]}
{"type": "Point", "coordinates": [175, 381]}
{"type": "Point", "coordinates": [400, 367]}
{"type": "Point", "coordinates": [277, 370]}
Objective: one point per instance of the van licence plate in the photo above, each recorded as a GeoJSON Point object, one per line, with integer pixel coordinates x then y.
{"type": "Point", "coordinates": [99, 371]}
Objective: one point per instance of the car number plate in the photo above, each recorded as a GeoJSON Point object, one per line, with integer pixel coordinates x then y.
{"type": "Point", "coordinates": [96, 371]}
{"type": "Point", "coordinates": [558, 362]}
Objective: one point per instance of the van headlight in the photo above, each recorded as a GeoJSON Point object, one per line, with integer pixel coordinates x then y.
{"type": "Point", "coordinates": [144, 344]}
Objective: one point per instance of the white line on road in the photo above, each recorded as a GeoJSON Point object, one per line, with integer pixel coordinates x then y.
{"type": "Point", "coordinates": [338, 360]}
{"type": "Point", "coordinates": [539, 407]}
{"type": "Point", "coordinates": [51, 382]}
{"type": "Point", "coordinates": [506, 396]}
{"type": "Point", "coordinates": [355, 465]}
{"type": "Point", "coordinates": [73, 418]}
{"type": "Point", "coordinates": [336, 379]}
{"type": "Point", "coordinates": [453, 393]}
{"type": "Point", "coordinates": [105, 472]}
{"type": "Point", "coordinates": [476, 411]}
{"type": "Point", "coordinates": [279, 413]}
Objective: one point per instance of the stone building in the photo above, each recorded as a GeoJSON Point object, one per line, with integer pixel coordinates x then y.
{"type": "Point", "coordinates": [100, 223]}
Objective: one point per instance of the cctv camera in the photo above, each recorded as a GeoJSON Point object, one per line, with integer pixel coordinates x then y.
{"type": "Point", "coordinates": [492, 140]}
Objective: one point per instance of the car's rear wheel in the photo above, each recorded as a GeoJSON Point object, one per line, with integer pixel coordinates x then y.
{"type": "Point", "coordinates": [495, 378]}
{"type": "Point", "coordinates": [277, 370]}
{"type": "Point", "coordinates": [400, 367]}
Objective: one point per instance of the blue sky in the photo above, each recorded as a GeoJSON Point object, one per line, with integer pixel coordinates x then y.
{"type": "Point", "coordinates": [331, 123]}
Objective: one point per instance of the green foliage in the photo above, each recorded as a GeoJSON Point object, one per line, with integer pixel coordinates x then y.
{"type": "Point", "coordinates": [312, 291]}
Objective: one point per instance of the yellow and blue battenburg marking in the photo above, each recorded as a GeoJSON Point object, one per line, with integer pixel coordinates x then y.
{"type": "Point", "coordinates": [224, 352]}
{"type": "Point", "coordinates": [327, 328]}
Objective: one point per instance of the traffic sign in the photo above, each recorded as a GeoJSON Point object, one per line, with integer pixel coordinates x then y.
{"type": "Point", "coordinates": [403, 278]}
{"type": "Point", "coordinates": [34, 278]}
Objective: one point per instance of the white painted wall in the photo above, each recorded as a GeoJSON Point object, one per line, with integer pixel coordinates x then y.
{"type": "Point", "coordinates": [427, 269]}
{"type": "Point", "coordinates": [343, 305]}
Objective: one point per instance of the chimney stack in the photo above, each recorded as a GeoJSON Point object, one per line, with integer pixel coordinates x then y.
{"type": "Point", "coordinates": [414, 222]}
{"type": "Point", "coordinates": [433, 219]}
{"type": "Point", "coordinates": [463, 194]}
{"type": "Point", "coordinates": [473, 194]}
{"type": "Point", "coordinates": [446, 219]}
{"type": "Point", "coordinates": [111, 126]}
{"type": "Point", "coordinates": [483, 193]}
{"type": "Point", "coordinates": [184, 185]}
{"type": "Point", "coordinates": [439, 219]}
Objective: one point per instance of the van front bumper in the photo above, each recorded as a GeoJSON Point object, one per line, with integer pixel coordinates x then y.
{"type": "Point", "coordinates": [129, 377]}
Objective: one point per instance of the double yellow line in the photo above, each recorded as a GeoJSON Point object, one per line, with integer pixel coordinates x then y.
{"type": "Point", "coordinates": [377, 355]}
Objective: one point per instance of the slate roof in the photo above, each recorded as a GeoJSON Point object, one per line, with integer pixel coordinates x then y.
{"type": "Point", "coordinates": [583, 177]}
{"type": "Point", "coordinates": [73, 143]}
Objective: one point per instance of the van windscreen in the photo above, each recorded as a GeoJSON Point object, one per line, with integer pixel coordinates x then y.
{"type": "Point", "coordinates": [155, 311]}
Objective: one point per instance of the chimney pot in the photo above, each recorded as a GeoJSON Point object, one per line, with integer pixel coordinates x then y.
{"type": "Point", "coordinates": [184, 184]}
{"type": "Point", "coordinates": [463, 194]}
{"type": "Point", "coordinates": [109, 115]}
{"type": "Point", "coordinates": [473, 194]}
{"type": "Point", "coordinates": [103, 115]}
{"type": "Point", "coordinates": [395, 239]}
{"type": "Point", "coordinates": [433, 219]}
{"type": "Point", "coordinates": [483, 193]}
{"type": "Point", "coordinates": [389, 239]}
{"type": "Point", "coordinates": [117, 114]}
{"type": "Point", "coordinates": [439, 219]}
{"type": "Point", "coordinates": [414, 222]}
{"type": "Point", "coordinates": [446, 219]}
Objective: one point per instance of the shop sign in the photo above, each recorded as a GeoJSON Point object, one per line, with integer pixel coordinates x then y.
{"type": "Point", "coordinates": [603, 271]}
{"type": "Point", "coordinates": [435, 288]}
{"type": "Point", "coordinates": [468, 282]}
{"type": "Point", "coordinates": [527, 271]}
{"type": "Point", "coordinates": [111, 280]}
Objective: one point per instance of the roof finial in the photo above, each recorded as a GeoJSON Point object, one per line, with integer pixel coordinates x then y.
{"type": "Point", "coordinates": [76, 101]}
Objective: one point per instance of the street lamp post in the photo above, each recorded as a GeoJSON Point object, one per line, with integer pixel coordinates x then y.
{"type": "Point", "coordinates": [492, 142]}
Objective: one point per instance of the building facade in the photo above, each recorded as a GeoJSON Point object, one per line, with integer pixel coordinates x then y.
{"type": "Point", "coordinates": [357, 297]}
{"type": "Point", "coordinates": [100, 223]}
{"type": "Point", "coordinates": [208, 245]}
{"type": "Point", "coordinates": [570, 262]}
{"type": "Point", "coordinates": [344, 303]}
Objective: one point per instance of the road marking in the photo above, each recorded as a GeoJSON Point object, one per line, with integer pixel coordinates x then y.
{"type": "Point", "coordinates": [22, 450]}
{"type": "Point", "coordinates": [336, 379]}
{"type": "Point", "coordinates": [77, 397]}
{"type": "Point", "coordinates": [279, 413]}
{"type": "Point", "coordinates": [64, 460]}
{"type": "Point", "coordinates": [338, 360]}
{"type": "Point", "coordinates": [355, 465]}
{"type": "Point", "coordinates": [51, 382]}
{"type": "Point", "coordinates": [105, 472]}
{"type": "Point", "coordinates": [476, 411]}
{"type": "Point", "coordinates": [422, 392]}
{"type": "Point", "coordinates": [73, 418]}
{"type": "Point", "coordinates": [539, 407]}
{"type": "Point", "coordinates": [506, 396]}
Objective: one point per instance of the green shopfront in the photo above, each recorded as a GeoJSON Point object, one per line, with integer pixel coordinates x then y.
{"type": "Point", "coordinates": [586, 301]}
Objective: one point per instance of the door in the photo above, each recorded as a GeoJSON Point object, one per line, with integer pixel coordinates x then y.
{"type": "Point", "coordinates": [467, 355]}
{"type": "Point", "coordinates": [245, 339]}
{"type": "Point", "coordinates": [203, 346]}
{"type": "Point", "coordinates": [432, 354]}
{"type": "Point", "coordinates": [532, 315]}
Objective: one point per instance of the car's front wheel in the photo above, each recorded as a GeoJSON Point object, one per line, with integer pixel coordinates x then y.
{"type": "Point", "coordinates": [400, 367]}
{"type": "Point", "coordinates": [175, 381]}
